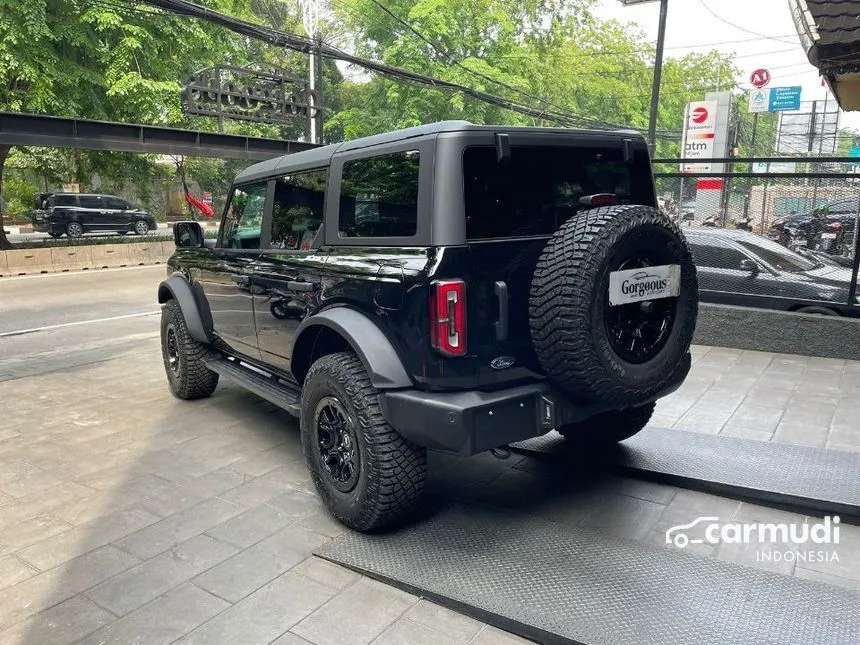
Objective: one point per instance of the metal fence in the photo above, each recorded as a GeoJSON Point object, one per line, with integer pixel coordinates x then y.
{"type": "Point", "coordinates": [771, 232]}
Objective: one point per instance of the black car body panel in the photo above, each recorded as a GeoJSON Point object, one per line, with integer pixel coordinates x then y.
{"type": "Point", "coordinates": [311, 260]}
{"type": "Point", "coordinates": [94, 212]}
{"type": "Point", "coordinates": [783, 279]}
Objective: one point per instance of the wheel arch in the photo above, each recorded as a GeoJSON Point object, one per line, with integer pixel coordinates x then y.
{"type": "Point", "coordinates": [342, 328]}
{"type": "Point", "coordinates": [191, 302]}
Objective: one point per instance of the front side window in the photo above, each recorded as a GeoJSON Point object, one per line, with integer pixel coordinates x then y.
{"type": "Point", "coordinates": [115, 203]}
{"type": "Point", "coordinates": [379, 196]}
{"type": "Point", "coordinates": [538, 188]}
{"type": "Point", "coordinates": [778, 256]}
{"type": "Point", "coordinates": [244, 217]}
{"type": "Point", "coordinates": [297, 210]}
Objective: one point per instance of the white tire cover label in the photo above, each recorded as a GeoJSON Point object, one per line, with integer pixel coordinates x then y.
{"type": "Point", "coordinates": [649, 283]}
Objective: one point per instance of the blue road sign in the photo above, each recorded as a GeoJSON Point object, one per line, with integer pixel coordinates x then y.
{"type": "Point", "coordinates": [854, 152]}
{"type": "Point", "coordinates": [784, 98]}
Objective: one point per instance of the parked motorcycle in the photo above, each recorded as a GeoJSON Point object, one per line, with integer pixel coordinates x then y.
{"type": "Point", "coordinates": [744, 224]}
{"type": "Point", "coordinates": [713, 221]}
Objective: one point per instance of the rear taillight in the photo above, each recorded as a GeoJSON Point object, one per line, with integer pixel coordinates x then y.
{"type": "Point", "coordinates": [448, 317]}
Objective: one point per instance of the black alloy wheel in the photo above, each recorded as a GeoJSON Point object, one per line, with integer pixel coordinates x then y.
{"type": "Point", "coordinates": [337, 443]}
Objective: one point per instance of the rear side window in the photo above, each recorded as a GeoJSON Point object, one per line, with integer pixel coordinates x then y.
{"type": "Point", "coordinates": [379, 196]}
{"type": "Point", "coordinates": [538, 188]}
{"type": "Point", "coordinates": [297, 211]}
{"type": "Point", "coordinates": [716, 256]}
{"type": "Point", "coordinates": [63, 200]}
{"type": "Point", "coordinates": [91, 201]}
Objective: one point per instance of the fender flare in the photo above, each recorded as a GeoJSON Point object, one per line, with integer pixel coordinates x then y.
{"type": "Point", "coordinates": [376, 352]}
{"type": "Point", "coordinates": [196, 314]}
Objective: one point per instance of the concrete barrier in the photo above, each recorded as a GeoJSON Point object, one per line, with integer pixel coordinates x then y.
{"type": "Point", "coordinates": [145, 253]}
{"type": "Point", "coordinates": [29, 261]}
{"type": "Point", "coordinates": [71, 258]}
{"type": "Point", "coordinates": [4, 264]}
{"type": "Point", "coordinates": [105, 256]}
{"type": "Point", "coordinates": [167, 249]}
{"type": "Point", "coordinates": [782, 332]}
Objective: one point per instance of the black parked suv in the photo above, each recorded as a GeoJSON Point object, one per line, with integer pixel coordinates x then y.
{"type": "Point", "coordinates": [74, 214]}
{"type": "Point", "coordinates": [450, 287]}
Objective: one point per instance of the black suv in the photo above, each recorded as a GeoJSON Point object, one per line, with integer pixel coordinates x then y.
{"type": "Point", "coordinates": [450, 287]}
{"type": "Point", "coordinates": [74, 214]}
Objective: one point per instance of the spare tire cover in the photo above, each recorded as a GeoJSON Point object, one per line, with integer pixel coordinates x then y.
{"type": "Point", "coordinates": [613, 304]}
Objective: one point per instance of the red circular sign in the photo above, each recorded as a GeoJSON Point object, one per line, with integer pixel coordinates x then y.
{"type": "Point", "coordinates": [759, 78]}
{"type": "Point", "coordinates": [699, 115]}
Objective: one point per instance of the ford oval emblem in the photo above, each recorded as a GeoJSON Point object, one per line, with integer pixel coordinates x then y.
{"type": "Point", "coordinates": [502, 362]}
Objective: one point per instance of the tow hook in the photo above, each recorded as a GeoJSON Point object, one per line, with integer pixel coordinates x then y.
{"type": "Point", "coordinates": [501, 453]}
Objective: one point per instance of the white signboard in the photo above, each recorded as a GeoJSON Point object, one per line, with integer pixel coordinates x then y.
{"type": "Point", "coordinates": [650, 283]}
{"type": "Point", "coordinates": [700, 127]}
{"type": "Point", "coordinates": [759, 100]}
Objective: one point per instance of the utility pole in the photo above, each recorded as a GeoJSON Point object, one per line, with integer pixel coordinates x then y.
{"type": "Point", "coordinates": [310, 21]}
{"type": "Point", "coordinates": [658, 69]}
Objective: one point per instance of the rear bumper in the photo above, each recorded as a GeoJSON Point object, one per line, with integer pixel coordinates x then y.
{"type": "Point", "coordinates": [470, 422]}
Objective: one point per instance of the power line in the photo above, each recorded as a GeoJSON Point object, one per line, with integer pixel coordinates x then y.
{"type": "Point", "coordinates": [305, 45]}
{"type": "Point", "coordinates": [738, 27]}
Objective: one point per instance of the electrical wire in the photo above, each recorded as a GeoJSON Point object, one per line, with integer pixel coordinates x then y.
{"type": "Point", "coordinates": [738, 27]}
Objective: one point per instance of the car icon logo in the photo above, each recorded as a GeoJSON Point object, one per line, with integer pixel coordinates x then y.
{"type": "Point", "coordinates": [676, 535]}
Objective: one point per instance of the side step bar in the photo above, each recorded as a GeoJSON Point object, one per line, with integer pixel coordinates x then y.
{"type": "Point", "coordinates": [267, 387]}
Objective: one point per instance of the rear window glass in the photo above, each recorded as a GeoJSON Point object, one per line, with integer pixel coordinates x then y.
{"type": "Point", "coordinates": [538, 188]}
{"type": "Point", "coordinates": [64, 200]}
{"type": "Point", "coordinates": [379, 196]}
{"type": "Point", "coordinates": [91, 201]}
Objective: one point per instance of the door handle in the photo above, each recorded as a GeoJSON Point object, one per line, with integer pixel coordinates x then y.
{"type": "Point", "coordinates": [298, 285]}
{"type": "Point", "coordinates": [501, 325]}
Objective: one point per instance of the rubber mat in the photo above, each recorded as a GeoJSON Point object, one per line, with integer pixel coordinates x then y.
{"type": "Point", "coordinates": [810, 480]}
{"type": "Point", "coordinates": [557, 584]}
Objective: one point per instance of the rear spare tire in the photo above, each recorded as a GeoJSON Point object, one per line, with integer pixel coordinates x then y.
{"type": "Point", "coordinates": [628, 347]}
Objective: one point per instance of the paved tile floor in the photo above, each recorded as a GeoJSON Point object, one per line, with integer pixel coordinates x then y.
{"type": "Point", "coordinates": [128, 516]}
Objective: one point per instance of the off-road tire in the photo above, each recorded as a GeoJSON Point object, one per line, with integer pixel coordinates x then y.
{"type": "Point", "coordinates": [568, 304]}
{"type": "Point", "coordinates": [191, 379]}
{"type": "Point", "coordinates": [391, 470]}
{"type": "Point", "coordinates": [609, 427]}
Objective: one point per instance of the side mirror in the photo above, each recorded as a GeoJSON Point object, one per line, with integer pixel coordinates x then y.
{"type": "Point", "coordinates": [749, 265]}
{"type": "Point", "coordinates": [188, 235]}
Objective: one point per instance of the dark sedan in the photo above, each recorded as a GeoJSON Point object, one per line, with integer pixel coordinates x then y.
{"type": "Point", "coordinates": [740, 268]}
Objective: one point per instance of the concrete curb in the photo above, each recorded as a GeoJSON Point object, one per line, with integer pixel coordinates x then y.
{"type": "Point", "coordinates": [73, 258]}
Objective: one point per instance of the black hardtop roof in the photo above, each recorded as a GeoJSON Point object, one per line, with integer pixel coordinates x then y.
{"type": "Point", "coordinates": [322, 156]}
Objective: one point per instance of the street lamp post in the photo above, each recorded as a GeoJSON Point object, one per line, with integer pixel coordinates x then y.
{"type": "Point", "coordinates": [658, 69]}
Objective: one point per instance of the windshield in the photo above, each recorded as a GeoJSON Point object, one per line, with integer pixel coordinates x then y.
{"type": "Point", "coordinates": [538, 188]}
{"type": "Point", "coordinates": [778, 256]}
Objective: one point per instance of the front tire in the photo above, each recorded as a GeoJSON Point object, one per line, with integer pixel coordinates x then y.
{"type": "Point", "coordinates": [609, 427]}
{"type": "Point", "coordinates": [366, 473]}
{"type": "Point", "coordinates": [141, 227]}
{"type": "Point", "coordinates": [184, 358]}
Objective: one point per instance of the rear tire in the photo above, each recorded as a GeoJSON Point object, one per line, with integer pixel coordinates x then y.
{"type": "Point", "coordinates": [609, 427]}
{"type": "Point", "coordinates": [74, 229]}
{"type": "Point", "coordinates": [185, 358]}
{"type": "Point", "coordinates": [595, 351]}
{"type": "Point", "coordinates": [821, 311]}
{"type": "Point", "coordinates": [366, 473]}
{"type": "Point", "coordinates": [141, 227]}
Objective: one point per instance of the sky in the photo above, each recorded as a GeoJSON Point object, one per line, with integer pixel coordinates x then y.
{"type": "Point", "coordinates": [690, 27]}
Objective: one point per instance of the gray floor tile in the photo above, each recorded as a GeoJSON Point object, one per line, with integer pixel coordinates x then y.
{"type": "Point", "coordinates": [801, 434]}
{"type": "Point", "coordinates": [191, 493]}
{"type": "Point", "coordinates": [86, 537]}
{"type": "Point", "coordinates": [13, 571]}
{"type": "Point", "coordinates": [264, 615]}
{"type": "Point", "coordinates": [273, 483]}
{"type": "Point", "coordinates": [296, 503]}
{"type": "Point", "coordinates": [163, 620]}
{"type": "Point", "coordinates": [249, 570]}
{"type": "Point", "coordinates": [18, 536]}
{"type": "Point", "coordinates": [704, 419]}
{"type": "Point", "coordinates": [251, 526]}
{"type": "Point", "coordinates": [457, 627]}
{"type": "Point", "coordinates": [730, 430]}
{"type": "Point", "coordinates": [143, 583]}
{"type": "Point", "coordinates": [61, 624]}
{"type": "Point", "coordinates": [756, 417]}
{"type": "Point", "coordinates": [327, 573]}
{"type": "Point", "coordinates": [493, 636]}
{"type": "Point", "coordinates": [627, 517]}
{"type": "Point", "coordinates": [405, 631]}
{"type": "Point", "coordinates": [159, 537]}
{"type": "Point", "coordinates": [355, 616]}
{"type": "Point", "coordinates": [826, 578]}
{"type": "Point", "coordinates": [290, 639]}
{"type": "Point", "coordinates": [51, 587]}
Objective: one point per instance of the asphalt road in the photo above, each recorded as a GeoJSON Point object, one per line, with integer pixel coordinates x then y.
{"type": "Point", "coordinates": [61, 320]}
